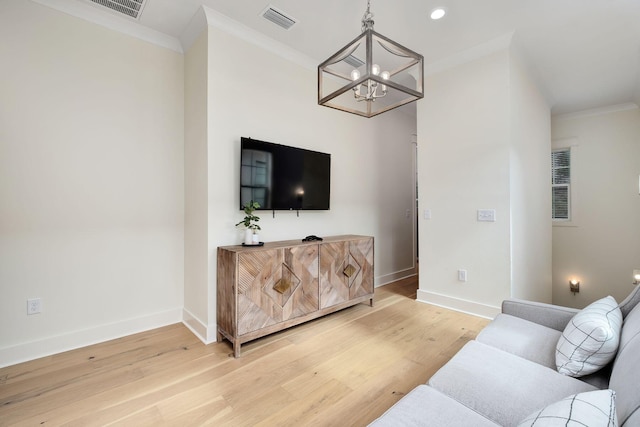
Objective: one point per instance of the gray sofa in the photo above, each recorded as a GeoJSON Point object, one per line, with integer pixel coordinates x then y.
{"type": "Point", "coordinates": [508, 372]}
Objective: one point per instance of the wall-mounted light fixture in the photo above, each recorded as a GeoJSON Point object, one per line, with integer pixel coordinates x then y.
{"type": "Point", "coordinates": [574, 286]}
{"type": "Point", "coordinates": [438, 13]}
{"type": "Point", "coordinates": [636, 277]}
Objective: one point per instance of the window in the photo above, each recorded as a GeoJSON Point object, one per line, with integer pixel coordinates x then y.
{"type": "Point", "coordinates": [561, 184]}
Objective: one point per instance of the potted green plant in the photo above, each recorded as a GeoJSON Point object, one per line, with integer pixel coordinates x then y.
{"type": "Point", "coordinates": [250, 223]}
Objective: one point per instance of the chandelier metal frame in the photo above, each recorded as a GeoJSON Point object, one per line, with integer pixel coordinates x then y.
{"type": "Point", "coordinates": [371, 84]}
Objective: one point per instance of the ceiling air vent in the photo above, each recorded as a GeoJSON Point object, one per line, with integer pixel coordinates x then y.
{"type": "Point", "coordinates": [278, 17]}
{"type": "Point", "coordinates": [132, 8]}
{"type": "Point", "coordinates": [354, 61]}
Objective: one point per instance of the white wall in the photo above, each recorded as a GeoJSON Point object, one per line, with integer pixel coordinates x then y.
{"type": "Point", "coordinates": [602, 246]}
{"type": "Point", "coordinates": [473, 137]}
{"type": "Point", "coordinates": [530, 197]}
{"type": "Point", "coordinates": [463, 164]}
{"type": "Point", "coordinates": [91, 182]}
{"type": "Point", "coordinates": [196, 297]}
{"type": "Point", "coordinates": [276, 101]}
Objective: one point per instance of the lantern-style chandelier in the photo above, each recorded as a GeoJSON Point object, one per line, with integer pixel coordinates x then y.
{"type": "Point", "coordinates": [370, 75]}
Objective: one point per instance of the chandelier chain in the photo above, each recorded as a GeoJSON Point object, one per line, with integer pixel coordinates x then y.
{"type": "Point", "coordinates": [367, 18]}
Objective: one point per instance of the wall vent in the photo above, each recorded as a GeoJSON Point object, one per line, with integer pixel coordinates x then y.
{"type": "Point", "coordinates": [278, 17]}
{"type": "Point", "coordinates": [354, 61]}
{"type": "Point", "coordinates": [131, 8]}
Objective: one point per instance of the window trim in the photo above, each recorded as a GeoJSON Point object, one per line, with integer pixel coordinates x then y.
{"type": "Point", "coordinates": [566, 186]}
{"type": "Point", "coordinates": [572, 145]}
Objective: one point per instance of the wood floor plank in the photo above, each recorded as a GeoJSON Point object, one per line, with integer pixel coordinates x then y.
{"type": "Point", "coordinates": [343, 369]}
{"type": "Point", "coordinates": [303, 411]}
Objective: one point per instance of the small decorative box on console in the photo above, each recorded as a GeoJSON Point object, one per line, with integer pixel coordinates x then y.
{"type": "Point", "coordinates": [262, 290]}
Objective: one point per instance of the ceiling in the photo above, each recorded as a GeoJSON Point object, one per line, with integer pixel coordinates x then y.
{"type": "Point", "coordinates": [584, 53]}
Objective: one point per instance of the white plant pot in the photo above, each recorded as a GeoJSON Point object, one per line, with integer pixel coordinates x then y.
{"type": "Point", "coordinates": [248, 236]}
{"type": "Point", "coordinates": [255, 239]}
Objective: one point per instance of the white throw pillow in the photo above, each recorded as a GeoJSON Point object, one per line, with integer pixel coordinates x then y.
{"type": "Point", "coordinates": [590, 340]}
{"type": "Point", "coordinates": [592, 408]}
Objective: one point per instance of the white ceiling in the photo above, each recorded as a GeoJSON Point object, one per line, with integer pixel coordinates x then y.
{"type": "Point", "coordinates": [584, 53]}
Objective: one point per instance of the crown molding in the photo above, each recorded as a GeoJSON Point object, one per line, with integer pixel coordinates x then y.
{"type": "Point", "coordinates": [597, 111]}
{"type": "Point", "coordinates": [194, 28]}
{"type": "Point", "coordinates": [228, 25]}
{"type": "Point", "coordinates": [203, 17]}
{"type": "Point", "coordinates": [494, 45]}
{"type": "Point", "coordinates": [134, 29]}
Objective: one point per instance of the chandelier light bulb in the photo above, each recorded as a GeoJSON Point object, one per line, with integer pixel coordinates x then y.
{"type": "Point", "coordinates": [355, 75]}
{"type": "Point", "coordinates": [375, 69]}
{"type": "Point", "coordinates": [385, 75]}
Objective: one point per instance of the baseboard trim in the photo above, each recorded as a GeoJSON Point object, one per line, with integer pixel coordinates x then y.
{"type": "Point", "coordinates": [395, 276]}
{"type": "Point", "coordinates": [457, 304]}
{"type": "Point", "coordinates": [70, 341]}
{"type": "Point", "coordinates": [205, 333]}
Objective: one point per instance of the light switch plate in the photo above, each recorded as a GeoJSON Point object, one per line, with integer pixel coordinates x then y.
{"type": "Point", "coordinates": [487, 215]}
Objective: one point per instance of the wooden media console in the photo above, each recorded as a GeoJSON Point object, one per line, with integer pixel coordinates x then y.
{"type": "Point", "coordinates": [265, 289]}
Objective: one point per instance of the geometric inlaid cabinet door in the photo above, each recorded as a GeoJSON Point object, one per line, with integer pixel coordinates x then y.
{"type": "Point", "coordinates": [276, 285]}
{"type": "Point", "coordinates": [361, 255]}
{"type": "Point", "coordinates": [334, 284]}
{"type": "Point", "coordinates": [346, 271]}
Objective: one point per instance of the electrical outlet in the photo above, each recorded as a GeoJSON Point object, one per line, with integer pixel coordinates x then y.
{"type": "Point", "coordinates": [34, 306]}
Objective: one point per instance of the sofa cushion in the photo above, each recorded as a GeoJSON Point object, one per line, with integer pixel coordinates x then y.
{"type": "Point", "coordinates": [625, 375]}
{"type": "Point", "coordinates": [593, 409]}
{"type": "Point", "coordinates": [501, 386]}
{"type": "Point", "coordinates": [523, 338]}
{"type": "Point", "coordinates": [590, 340]}
{"type": "Point", "coordinates": [425, 406]}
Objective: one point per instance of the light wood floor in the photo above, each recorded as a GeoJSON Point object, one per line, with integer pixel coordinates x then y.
{"type": "Point", "coordinates": [341, 370]}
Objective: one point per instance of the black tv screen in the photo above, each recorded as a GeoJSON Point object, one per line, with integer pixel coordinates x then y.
{"type": "Point", "coordinates": [283, 178]}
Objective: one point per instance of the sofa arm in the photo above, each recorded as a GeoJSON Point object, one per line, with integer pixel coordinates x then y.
{"type": "Point", "coordinates": [552, 316]}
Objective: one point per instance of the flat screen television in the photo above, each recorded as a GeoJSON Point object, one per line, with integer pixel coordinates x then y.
{"type": "Point", "coordinates": [283, 178]}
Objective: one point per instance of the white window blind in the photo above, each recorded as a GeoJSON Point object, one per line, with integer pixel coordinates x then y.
{"type": "Point", "coordinates": [561, 184]}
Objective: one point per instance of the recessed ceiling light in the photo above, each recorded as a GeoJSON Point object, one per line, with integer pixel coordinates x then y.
{"type": "Point", "coordinates": [438, 13]}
